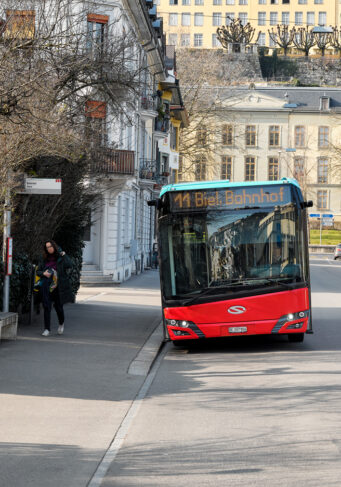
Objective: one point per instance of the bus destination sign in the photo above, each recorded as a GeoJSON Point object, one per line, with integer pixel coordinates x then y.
{"type": "Point", "coordinates": [230, 198]}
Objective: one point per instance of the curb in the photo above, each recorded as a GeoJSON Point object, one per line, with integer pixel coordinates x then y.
{"type": "Point", "coordinates": [148, 353]}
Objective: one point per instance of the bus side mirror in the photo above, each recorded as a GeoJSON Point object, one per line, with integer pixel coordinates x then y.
{"type": "Point", "coordinates": [157, 203]}
{"type": "Point", "coordinates": [307, 204]}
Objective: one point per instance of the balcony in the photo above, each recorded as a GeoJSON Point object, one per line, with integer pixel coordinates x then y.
{"type": "Point", "coordinates": [150, 170]}
{"type": "Point", "coordinates": [112, 161]}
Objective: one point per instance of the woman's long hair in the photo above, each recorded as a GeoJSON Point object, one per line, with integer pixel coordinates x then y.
{"type": "Point", "coordinates": [46, 254]}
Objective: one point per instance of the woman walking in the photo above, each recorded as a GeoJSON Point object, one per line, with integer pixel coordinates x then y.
{"type": "Point", "coordinates": [55, 286]}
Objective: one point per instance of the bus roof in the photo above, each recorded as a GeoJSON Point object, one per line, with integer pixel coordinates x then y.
{"type": "Point", "coordinates": [223, 184]}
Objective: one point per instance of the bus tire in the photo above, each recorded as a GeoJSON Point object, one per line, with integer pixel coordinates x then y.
{"type": "Point", "coordinates": [296, 337]}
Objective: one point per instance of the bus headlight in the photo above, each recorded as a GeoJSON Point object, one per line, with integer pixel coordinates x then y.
{"type": "Point", "coordinates": [290, 317]}
{"type": "Point", "coordinates": [179, 323]}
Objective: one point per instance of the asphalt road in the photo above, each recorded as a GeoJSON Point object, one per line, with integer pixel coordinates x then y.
{"type": "Point", "coordinates": [244, 412]}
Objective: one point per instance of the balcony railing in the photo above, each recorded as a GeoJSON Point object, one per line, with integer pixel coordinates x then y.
{"type": "Point", "coordinates": [148, 103]}
{"type": "Point", "coordinates": [113, 161]}
{"type": "Point", "coordinates": [150, 169]}
{"type": "Point", "coordinates": [161, 125]}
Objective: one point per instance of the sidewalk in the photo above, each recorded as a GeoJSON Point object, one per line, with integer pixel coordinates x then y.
{"type": "Point", "coordinates": [64, 397]}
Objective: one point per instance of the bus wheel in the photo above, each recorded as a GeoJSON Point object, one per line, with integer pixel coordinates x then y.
{"type": "Point", "coordinates": [296, 337]}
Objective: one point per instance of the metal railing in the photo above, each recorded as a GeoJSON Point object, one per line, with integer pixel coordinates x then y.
{"type": "Point", "coordinates": [150, 169]}
{"type": "Point", "coordinates": [113, 161]}
{"type": "Point", "coordinates": [148, 103]}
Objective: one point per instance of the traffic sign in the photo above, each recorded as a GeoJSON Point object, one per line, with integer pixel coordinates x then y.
{"type": "Point", "coordinates": [328, 216]}
{"type": "Point", "coordinates": [314, 215]}
{"type": "Point", "coordinates": [42, 186]}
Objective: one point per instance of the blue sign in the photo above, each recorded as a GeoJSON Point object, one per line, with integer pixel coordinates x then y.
{"type": "Point", "coordinates": [290, 150]}
{"type": "Point", "coordinates": [314, 215]}
{"type": "Point", "coordinates": [327, 216]}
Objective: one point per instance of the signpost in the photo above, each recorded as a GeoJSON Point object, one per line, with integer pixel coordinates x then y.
{"type": "Point", "coordinates": [42, 186]}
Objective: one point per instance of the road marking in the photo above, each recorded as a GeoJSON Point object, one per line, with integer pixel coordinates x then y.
{"type": "Point", "coordinates": [123, 430]}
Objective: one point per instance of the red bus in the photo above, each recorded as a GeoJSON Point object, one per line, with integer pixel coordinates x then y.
{"type": "Point", "coordinates": [234, 259]}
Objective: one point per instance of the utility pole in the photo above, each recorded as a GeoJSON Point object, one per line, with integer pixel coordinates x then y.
{"type": "Point", "coordinates": [6, 235]}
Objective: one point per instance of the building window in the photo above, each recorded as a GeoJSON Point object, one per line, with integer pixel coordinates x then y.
{"type": "Point", "coordinates": [285, 18]}
{"type": "Point", "coordinates": [186, 2]}
{"type": "Point", "coordinates": [215, 41]}
{"type": "Point", "coordinates": [322, 200]}
{"type": "Point", "coordinates": [199, 2]}
{"type": "Point", "coordinates": [243, 18]}
{"type": "Point", "coordinates": [322, 170]}
{"type": "Point", "coordinates": [229, 17]}
{"type": "Point", "coordinates": [302, 2]}
{"type": "Point", "coordinates": [250, 136]}
{"type": "Point", "coordinates": [198, 19]}
{"type": "Point", "coordinates": [229, 2]}
{"type": "Point", "coordinates": [274, 2]}
{"type": "Point", "coordinates": [274, 132]}
{"type": "Point", "coordinates": [298, 18]}
{"type": "Point", "coordinates": [95, 122]}
{"type": "Point", "coordinates": [186, 19]}
{"type": "Point", "coordinates": [198, 40]}
{"type": "Point", "coordinates": [261, 18]}
{"type": "Point", "coordinates": [273, 169]}
{"type": "Point", "coordinates": [216, 2]}
{"type": "Point", "coordinates": [299, 136]}
{"type": "Point", "coordinates": [173, 19]}
{"type": "Point", "coordinates": [242, 2]}
{"type": "Point", "coordinates": [97, 29]}
{"type": "Point", "coordinates": [173, 39]}
{"type": "Point", "coordinates": [272, 41]}
{"type": "Point", "coordinates": [310, 18]}
{"type": "Point", "coordinates": [216, 20]}
{"type": "Point", "coordinates": [250, 168]}
{"type": "Point", "coordinates": [226, 167]}
{"type": "Point", "coordinates": [20, 24]}
{"type": "Point", "coordinates": [173, 2]}
{"type": "Point", "coordinates": [262, 2]}
{"type": "Point", "coordinates": [273, 18]}
{"type": "Point", "coordinates": [227, 135]}
{"type": "Point", "coordinates": [322, 18]}
{"type": "Point", "coordinates": [200, 169]}
{"type": "Point", "coordinates": [299, 169]}
{"type": "Point", "coordinates": [185, 40]}
{"type": "Point", "coordinates": [323, 140]}
{"type": "Point", "coordinates": [318, 2]}
{"type": "Point", "coordinates": [261, 39]}
{"type": "Point", "coordinates": [285, 1]}
{"type": "Point", "coordinates": [202, 137]}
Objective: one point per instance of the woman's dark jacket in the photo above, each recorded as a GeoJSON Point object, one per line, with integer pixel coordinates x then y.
{"type": "Point", "coordinates": [63, 287]}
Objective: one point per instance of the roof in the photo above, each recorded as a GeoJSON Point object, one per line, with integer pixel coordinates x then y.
{"type": "Point", "coordinates": [296, 99]}
{"type": "Point", "coordinates": [223, 184]}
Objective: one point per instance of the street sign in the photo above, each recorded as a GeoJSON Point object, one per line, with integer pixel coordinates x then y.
{"type": "Point", "coordinates": [329, 215]}
{"type": "Point", "coordinates": [42, 186]}
{"type": "Point", "coordinates": [314, 215]}
{"type": "Point", "coordinates": [327, 222]}
{"type": "Point", "coordinates": [290, 150]}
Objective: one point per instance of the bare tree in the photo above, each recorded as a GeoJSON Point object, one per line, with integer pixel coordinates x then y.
{"type": "Point", "coordinates": [282, 36]}
{"type": "Point", "coordinates": [54, 75]}
{"type": "Point", "coordinates": [335, 39]}
{"type": "Point", "coordinates": [303, 39]}
{"type": "Point", "coordinates": [235, 33]}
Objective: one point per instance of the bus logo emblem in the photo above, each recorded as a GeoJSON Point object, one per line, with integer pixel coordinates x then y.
{"type": "Point", "coordinates": [236, 310]}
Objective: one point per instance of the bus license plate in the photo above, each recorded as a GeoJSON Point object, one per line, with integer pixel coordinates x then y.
{"type": "Point", "coordinates": [238, 329]}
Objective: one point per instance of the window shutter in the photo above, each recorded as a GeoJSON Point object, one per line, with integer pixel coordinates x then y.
{"type": "Point", "coordinates": [95, 109]}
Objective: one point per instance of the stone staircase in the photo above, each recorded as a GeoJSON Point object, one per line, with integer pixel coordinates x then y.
{"type": "Point", "coordinates": [92, 276]}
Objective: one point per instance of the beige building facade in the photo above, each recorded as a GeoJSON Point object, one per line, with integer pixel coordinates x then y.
{"type": "Point", "coordinates": [193, 23]}
{"type": "Point", "coordinates": [268, 133]}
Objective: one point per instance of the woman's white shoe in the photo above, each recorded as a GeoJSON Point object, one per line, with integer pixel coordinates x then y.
{"type": "Point", "coordinates": [45, 333]}
{"type": "Point", "coordinates": [60, 329]}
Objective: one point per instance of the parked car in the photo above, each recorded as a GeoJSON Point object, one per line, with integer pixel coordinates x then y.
{"type": "Point", "coordinates": [337, 252]}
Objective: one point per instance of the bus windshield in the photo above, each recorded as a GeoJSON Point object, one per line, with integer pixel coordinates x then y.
{"type": "Point", "coordinates": [207, 251]}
